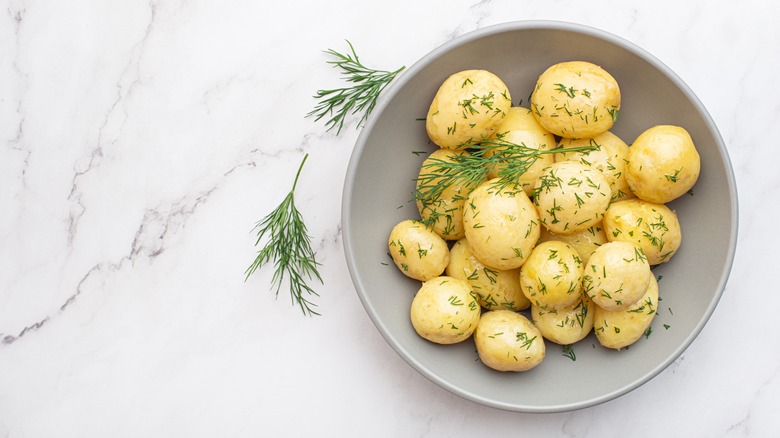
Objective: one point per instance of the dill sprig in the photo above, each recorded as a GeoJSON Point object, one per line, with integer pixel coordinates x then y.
{"type": "Point", "coordinates": [568, 351]}
{"type": "Point", "coordinates": [289, 246]}
{"type": "Point", "coordinates": [360, 97]}
{"type": "Point", "coordinates": [470, 169]}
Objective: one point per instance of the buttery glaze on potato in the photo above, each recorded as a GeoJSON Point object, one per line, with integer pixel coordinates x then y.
{"type": "Point", "coordinates": [494, 288]}
{"type": "Point", "coordinates": [570, 197]}
{"type": "Point", "coordinates": [617, 275]}
{"type": "Point", "coordinates": [551, 278]}
{"type": "Point", "coordinates": [501, 225]}
{"type": "Point", "coordinates": [521, 128]}
{"type": "Point", "coordinates": [576, 100]}
{"type": "Point", "coordinates": [620, 328]}
{"type": "Point", "coordinates": [610, 158]}
{"type": "Point", "coordinates": [445, 213]}
{"type": "Point", "coordinates": [444, 311]}
{"type": "Point", "coordinates": [508, 341]}
{"type": "Point", "coordinates": [418, 252]}
{"type": "Point", "coordinates": [663, 164]}
{"type": "Point", "coordinates": [584, 241]}
{"type": "Point", "coordinates": [567, 325]}
{"type": "Point", "coordinates": [467, 108]}
{"type": "Point", "coordinates": [652, 227]}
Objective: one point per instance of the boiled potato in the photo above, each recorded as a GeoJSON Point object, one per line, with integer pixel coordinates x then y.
{"type": "Point", "coordinates": [570, 196]}
{"type": "Point", "coordinates": [508, 341]}
{"type": "Point", "coordinates": [445, 212]}
{"type": "Point", "coordinates": [610, 158]}
{"type": "Point", "coordinates": [417, 251]}
{"type": "Point", "coordinates": [663, 164]}
{"type": "Point", "coordinates": [620, 328]}
{"type": "Point", "coordinates": [445, 311]}
{"type": "Point", "coordinates": [494, 288]}
{"type": "Point", "coordinates": [617, 275]}
{"type": "Point", "coordinates": [467, 108]}
{"type": "Point", "coordinates": [584, 241]}
{"type": "Point", "coordinates": [566, 325]}
{"type": "Point", "coordinates": [521, 128]}
{"type": "Point", "coordinates": [551, 278]}
{"type": "Point", "coordinates": [501, 225]}
{"type": "Point", "coordinates": [652, 227]}
{"type": "Point", "coordinates": [576, 100]}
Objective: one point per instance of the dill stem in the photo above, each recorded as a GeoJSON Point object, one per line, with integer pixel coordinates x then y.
{"type": "Point", "coordinates": [295, 182]}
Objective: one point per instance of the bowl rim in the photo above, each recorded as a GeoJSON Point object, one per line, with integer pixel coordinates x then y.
{"type": "Point", "coordinates": [423, 62]}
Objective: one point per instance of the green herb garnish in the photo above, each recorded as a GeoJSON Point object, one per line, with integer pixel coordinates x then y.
{"type": "Point", "coordinates": [360, 97]}
{"type": "Point", "coordinates": [471, 169]}
{"type": "Point", "coordinates": [568, 351]}
{"type": "Point", "coordinates": [289, 247]}
{"type": "Point", "coordinates": [526, 341]}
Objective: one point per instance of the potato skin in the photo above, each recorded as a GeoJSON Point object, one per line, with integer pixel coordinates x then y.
{"type": "Point", "coordinates": [617, 275]}
{"type": "Point", "coordinates": [445, 213]}
{"type": "Point", "coordinates": [444, 311]}
{"type": "Point", "coordinates": [663, 164]}
{"type": "Point", "coordinates": [570, 197]}
{"type": "Point", "coordinates": [520, 127]}
{"type": "Point", "coordinates": [494, 288]}
{"type": "Point", "coordinates": [551, 278]}
{"type": "Point", "coordinates": [584, 241]}
{"type": "Point", "coordinates": [610, 159]}
{"type": "Point", "coordinates": [418, 252]}
{"type": "Point", "coordinates": [652, 227]}
{"type": "Point", "coordinates": [567, 325]}
{"type": "Point", "coordinates": [467, 108]}
{"type": "Point", "coordinates": [576, 99]}
{"type": "Point", "coordinates": [508, 341]}
{"type": "Point", "coordinates": [501, 225]}
{"type": "Point", "coordinates": [620, 328]}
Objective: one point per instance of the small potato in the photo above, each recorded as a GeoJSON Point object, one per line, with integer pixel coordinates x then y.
{"type": "Point", "coordinates": [494, 288]}
{"type": "Point", "coordinates": [551, 278]}
{"type": "Point", "coordinates": [576, 100]}
{"type": "Point", "coordinates": [584, 242]}
{"type": "Point", "coordinates": [570, 197]}
{"type": "Point", "coordinates": [620, 328]}
{"type": "Point", "coordinates": [617, 275]}
{"type": "Point", "coordinates": [652, 227]}
{"type": "Point", "coordinates": [467, 108]}
{"type": "Point", "coordinates": [445, 213]}
{"type": "Point", "coordinates": [417, 251]}
{"type": "Point", "coordinates": [508, 341]}
{"type": "Point", "coordinates": [501, 225]}
{"type": "Point", "coordinates": [444, 311]}
{"type": "Point", "coordinates": [663, 164]}
{"type": "Point", "coordinates": [610, 158]}
{"type": "Point", "coordinates": [521, 128]}
{"type": "Point", "coordinates": [566, 325]}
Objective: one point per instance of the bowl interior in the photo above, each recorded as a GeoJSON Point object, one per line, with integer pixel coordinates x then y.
{"type": "Point", "coordinates": [379, 189]}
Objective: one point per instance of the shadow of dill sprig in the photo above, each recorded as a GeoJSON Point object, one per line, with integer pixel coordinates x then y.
{"type": "Point", "coordinates": [360, 97]}
{"type": "Point", "coordinates": [289, 247]}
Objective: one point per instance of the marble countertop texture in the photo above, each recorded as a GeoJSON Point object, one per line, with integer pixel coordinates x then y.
{"type": "Point", "coordinates": [141, 140]}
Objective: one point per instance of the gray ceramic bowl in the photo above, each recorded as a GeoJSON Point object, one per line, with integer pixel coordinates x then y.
{"type": "Point", "coordinates": [379, 186]}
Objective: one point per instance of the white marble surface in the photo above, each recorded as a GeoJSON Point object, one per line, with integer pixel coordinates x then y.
{"type": "Point", "coordinates": [142, 139]}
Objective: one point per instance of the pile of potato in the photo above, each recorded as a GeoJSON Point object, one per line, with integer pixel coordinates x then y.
{"type": "Point", "coordinates": [571, 243]}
